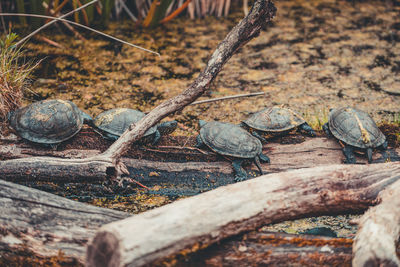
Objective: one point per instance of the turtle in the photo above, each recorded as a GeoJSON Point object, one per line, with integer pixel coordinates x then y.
{"type": "Point", "coordinates": [48, 122]}
{"type": "Point", "coordinates": [355, 130]}
{"type": "Point", "coordinates": [232, 140]}
{"type": "Point", "coordinates": [114, 122]}
{"type": "Point", "coordinates": [275, 120]}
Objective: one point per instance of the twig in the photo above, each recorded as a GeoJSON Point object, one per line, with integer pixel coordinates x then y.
{"type": "Point", "coordinates": [133, 18]}
{"type": "Point", "coordinates": [82, 26]}
{"type": "Point", "coordinates": [137, 182]}
{"type": "Point", "coordinates": [226, 97]}
{"type": "Point", "coordinates": [42, 38]}
{"type": "Point", "coordinates": [50, 23]}
{"type": "Point", "coordinates": [58, 9]}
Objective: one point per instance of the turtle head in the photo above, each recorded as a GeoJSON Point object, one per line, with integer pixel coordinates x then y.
{"type": "Point", "coordinates": [167, 127]}
{"type": "Point", "coordinates": [87, 119]}
{"type": "Point", "coordinates": [202, 123]}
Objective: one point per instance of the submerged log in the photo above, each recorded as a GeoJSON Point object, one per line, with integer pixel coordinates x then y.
{"type": "Point", "coordinates": [199, 221]}
{"type": "Point", "coordinates": [375, 243]}
{"type": "Point", "coordinates": [46, 223]}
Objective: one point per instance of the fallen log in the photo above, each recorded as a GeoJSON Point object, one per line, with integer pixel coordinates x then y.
{"type": "Point", "coordinates": [197, 222]}
{"type": "Point", "coordinates": [46, 223]}
{"type": "Point", "coordinates": [379, 230]}
{"type": "Point", "coordinates": [56, 169]}
{"type": "Point", "coordinates": [309, 153]}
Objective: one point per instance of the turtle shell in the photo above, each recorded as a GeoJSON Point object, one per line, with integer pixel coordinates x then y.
{"type": "Point", "coordinates": [230, 140]}
{"type": "Point", "coordinates": [355, 127]}
{"type": "Point", "coordinates": [116, 121]}
{"type": "Point", "coordinates": [47, 121]}
{"type": "Point", "coordinates": [274, 119]}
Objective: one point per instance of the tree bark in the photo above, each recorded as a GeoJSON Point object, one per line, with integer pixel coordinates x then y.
{"type": "Point", "coordinates": [375, 243]}
{"type": "Point", "coordinates": [46, 223]}
{"type": "Point", "coordinates": [199, 221]}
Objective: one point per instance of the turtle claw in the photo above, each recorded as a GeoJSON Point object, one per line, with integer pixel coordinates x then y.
{"type": "Point", "coordinates": [241, 174]}
{"type": "Point", "coordinates": [240, 178]}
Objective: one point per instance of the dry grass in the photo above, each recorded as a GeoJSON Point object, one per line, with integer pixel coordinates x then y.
{"type": "Point", "coordinates": [14, 75]}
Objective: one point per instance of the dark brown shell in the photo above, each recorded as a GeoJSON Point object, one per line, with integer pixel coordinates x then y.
{"type": "Point", "coordinates": [230, 140]}
{"type": "Point", "coordinates": [47, 121]}
{"type": "Point", "coordinates": [274, 119]}
{"type": "Point", "coordinates": [355, 127]}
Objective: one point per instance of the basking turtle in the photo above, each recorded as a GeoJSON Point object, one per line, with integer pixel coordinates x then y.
{"type": "Point", "coordinates": [354, 129]}
{"type": "Point", "coordinates": [275, 120]}
{"type": "Point", "coordinates": [232, 140]}
{"type": "Point", "coordinates": [114, 122]}
{"type": "Point", "coordinates": [48, 122]}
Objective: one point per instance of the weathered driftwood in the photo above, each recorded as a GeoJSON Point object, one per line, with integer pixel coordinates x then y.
{"type": "Point", "coordinates": [310, 153]}
{"type": "Point", "coordinates": [46, 223]}
{"type": "Point", "coordinates": [379, 231]}
{"type": "Point", "coordinates": [226, 211]}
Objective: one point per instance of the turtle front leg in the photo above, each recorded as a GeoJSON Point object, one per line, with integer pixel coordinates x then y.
{"type": "Point", "coordinates": [52, 146]}
{"type": "Point", "coordinates": [325, 127]}
{"type": "Point", "coordinates": [241, 174]}
{"type": "Point", "coordinates": [349, 154]}
{"type": "Point", "coordinates": [200, 142]}
{"type": "Point", "coordinates": [307, 128]}
{"type": "Point", "coordinates": [157, 136]}
{"type": "Point", "coordinates": [259, 137]}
